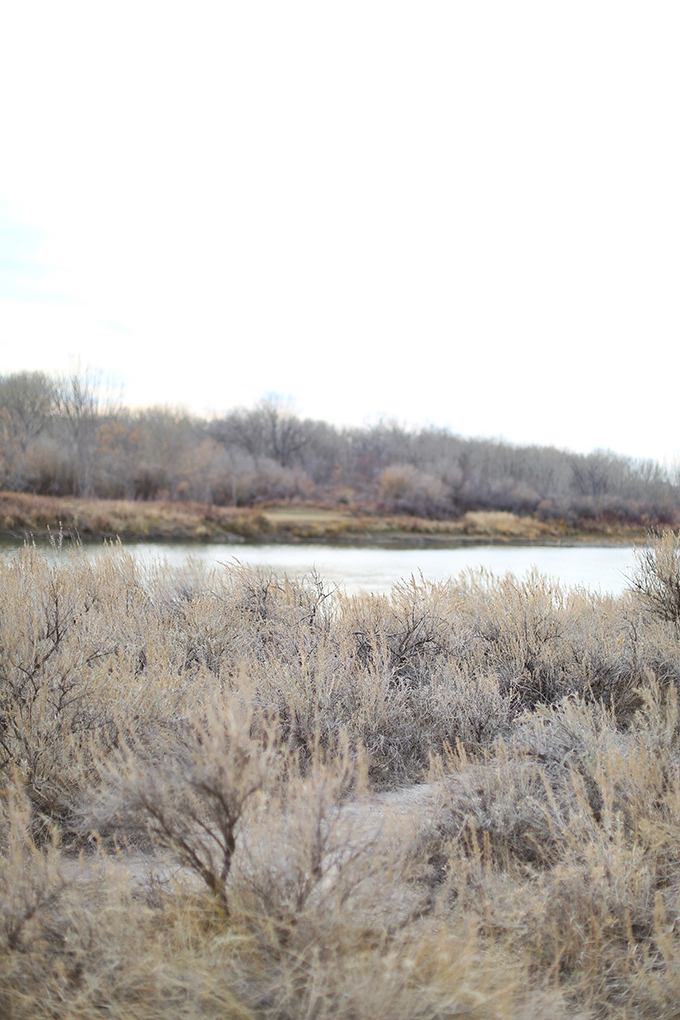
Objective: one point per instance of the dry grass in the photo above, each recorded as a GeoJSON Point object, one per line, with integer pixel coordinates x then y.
{"type": "Point", "coordinates": [30, 516]}
{"type": "Point", "coordinates": [461, 800]}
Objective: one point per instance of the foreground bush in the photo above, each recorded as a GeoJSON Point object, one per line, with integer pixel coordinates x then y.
{"type": "Point", "coordinates": [461, 800]}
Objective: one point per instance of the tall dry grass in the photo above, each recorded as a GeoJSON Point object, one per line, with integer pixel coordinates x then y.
{"type": "Point", "coordinates": [460, 800]}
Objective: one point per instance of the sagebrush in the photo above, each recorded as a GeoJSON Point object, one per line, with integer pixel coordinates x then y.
{"type": "Point", "coordinates": [458, 800]}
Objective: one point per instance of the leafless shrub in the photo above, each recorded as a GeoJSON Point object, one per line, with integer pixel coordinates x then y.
{"type": "Point", "coordinates": [193, 794]}
{"type": "Point", "coordinates": [30, 880]}
{"type": "Point", "coordinates": [305, 849]}
{"type": "Point", "coordinates": [75, 636]}
{"type": "Point", "coordinates": [656, 580]}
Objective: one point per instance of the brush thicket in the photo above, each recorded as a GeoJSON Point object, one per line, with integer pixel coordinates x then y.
{"type": "Point", "coordinates": [225, 793]}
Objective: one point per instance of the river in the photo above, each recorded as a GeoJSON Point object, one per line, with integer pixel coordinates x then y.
{"type": "Point", "coordinates": [598, 568]}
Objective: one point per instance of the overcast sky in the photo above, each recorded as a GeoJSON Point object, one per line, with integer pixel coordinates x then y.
{"type": "Point", "coordinates": [461, 213]}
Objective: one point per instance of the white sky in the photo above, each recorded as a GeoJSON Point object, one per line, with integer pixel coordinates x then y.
{"type": "Point", "coordinates": [462, 213]}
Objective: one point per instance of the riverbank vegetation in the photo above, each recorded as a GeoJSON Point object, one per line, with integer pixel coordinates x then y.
{"type": "Point", "coordinates": [27, 517]}
{"type": "Point", "coordinates": [66, 438]}
{"type": "Point", "coordinates": [459, 800]}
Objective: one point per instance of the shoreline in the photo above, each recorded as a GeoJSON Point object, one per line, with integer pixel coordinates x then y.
{"type": "Point", "coordinates": [42, 519]}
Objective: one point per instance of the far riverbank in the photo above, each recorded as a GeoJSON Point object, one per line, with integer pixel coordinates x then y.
{"type": "Point", "coordinates": [27, 517]}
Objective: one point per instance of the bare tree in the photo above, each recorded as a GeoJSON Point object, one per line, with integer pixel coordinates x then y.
{"type": "Point", "coordinates": [594, 474]}
{"type": "Point", "coordinates": [168, 442]}
{"type": "Point", "coordinates": [26, 404]}
{"type": "Point", "coordinates": [270, 429]}
{"type": "Point", "coordinates": [82, 401]}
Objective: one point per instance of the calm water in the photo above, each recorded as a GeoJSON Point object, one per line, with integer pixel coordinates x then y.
{"type": "Point", "coordinates": [602, 569]}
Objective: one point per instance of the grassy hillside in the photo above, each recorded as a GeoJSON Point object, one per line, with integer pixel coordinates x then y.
{"type": "Point", "coordinates": [461, 800]}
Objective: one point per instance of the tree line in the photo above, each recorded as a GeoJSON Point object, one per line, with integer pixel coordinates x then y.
{"type": "Point", "coordinates": [67, 435]}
